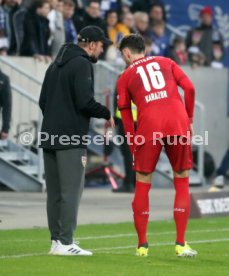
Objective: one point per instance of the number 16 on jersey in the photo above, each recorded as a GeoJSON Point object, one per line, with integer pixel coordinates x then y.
{"type": "Point", "coordinates": [156, 77]}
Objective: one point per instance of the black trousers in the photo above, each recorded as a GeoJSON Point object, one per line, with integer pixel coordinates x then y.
{"type": "Point", "coordinates": [65, 174]}
{"type": "Point", "coordinates": [129, 179]}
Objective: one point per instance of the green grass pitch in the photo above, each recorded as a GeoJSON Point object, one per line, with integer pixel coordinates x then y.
{"type": "Point", "coordinates": [24, 252]}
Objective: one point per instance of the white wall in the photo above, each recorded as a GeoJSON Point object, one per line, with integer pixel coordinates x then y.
{"type": "Point", "coordinates": [212, 90]}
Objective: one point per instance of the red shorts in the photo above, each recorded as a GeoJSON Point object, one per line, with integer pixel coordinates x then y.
{"type": "Point", "coordinates": [146, 156]}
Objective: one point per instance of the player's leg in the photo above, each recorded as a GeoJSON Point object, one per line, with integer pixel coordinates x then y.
{"type": "Point", "coordinates": [145, 159]}
{"type": "Point", "coordinates": [140, 207]}
{"type": "Point", "coordinates": [181, 209]}
{"type": "Point", "coordinates": [181, 213]}
{"type": "Point", "coordinates": [180, 156]}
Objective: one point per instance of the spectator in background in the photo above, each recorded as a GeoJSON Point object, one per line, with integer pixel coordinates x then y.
{"type": "Point", "coordinates": [160, 38]}
{"type": "Point", "coordinates": [18, 26]}
{"type": "Point", "coordinates": [107, 5]}
{"type": "Point", "coordinates": [178, 51]}
{"type": "Point", "coordinates": [157, 13]}
{"type": "Point", "coordinates": [125, 7]}
{"type": "Point", "coordinates": [90, 16]}
{"type": "Point", "coordinates": [60, 6]}
{"type": "Point", "coordinates": [70, 30]}
{"type": "Point", "coordinates": [128, 22]}
{"type": "Point", "coordinates": [195, 56]}
{"type": "Point", "coordinates": [11, 7]}
{"type": "Point", "coordinates": [115, 32]}
{"type": "Point", "coordinates": [221, 173]}
{"type": "Point", "coordinates": [207, 33]}
{"type": "Point", "coordinates": [36, 32]}
{"type": "Point", "coordinates": [217, 55]}
{"type": "Point", "coordinates": [4, 42]}
{"type": "Point", "coordinates": [56, 25]}
{"type": "Point", "coordinates": [111, 19]}
{"type": "Point", "coordinates": [150, 47]}
{"type": "Point", "coordinates": [27, 3]}
{"type": "Point", "coordinates": [143, 5]}
{"type": "Point", "coordinates": [5, 104]}
{"type": "Point", "coordinates": [142, 24]}
{"type": "Point", "coordinates": [80, 3]}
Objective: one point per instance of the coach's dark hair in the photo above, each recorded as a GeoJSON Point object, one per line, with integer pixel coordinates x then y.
{"type": "Point", "coordinates": [134, 42]}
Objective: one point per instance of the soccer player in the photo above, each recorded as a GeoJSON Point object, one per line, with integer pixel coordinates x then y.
{"type": "Point", "coordinates": [163, 120]}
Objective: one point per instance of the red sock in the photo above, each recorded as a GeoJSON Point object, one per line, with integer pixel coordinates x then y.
{"type": "Point", "coordinates": [181, 207]}
{"type": "Point", "coordinates": [140, 206]}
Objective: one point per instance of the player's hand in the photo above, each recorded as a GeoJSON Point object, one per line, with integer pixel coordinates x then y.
{"type": "Point", "coordinates": [4, 135]}
{"type": "Point", "coordinates": [111, 122]}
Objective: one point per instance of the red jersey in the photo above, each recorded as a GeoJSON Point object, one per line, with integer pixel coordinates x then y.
{"type": "Point", "coordinates": [152, 84]}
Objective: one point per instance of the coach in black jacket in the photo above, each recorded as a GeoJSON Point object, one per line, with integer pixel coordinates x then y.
{"type": "Point", "coordinates": [67, 103]}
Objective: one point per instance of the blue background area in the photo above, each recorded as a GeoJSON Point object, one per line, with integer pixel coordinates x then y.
{"type": "Point", "coordinates": [179, 14]}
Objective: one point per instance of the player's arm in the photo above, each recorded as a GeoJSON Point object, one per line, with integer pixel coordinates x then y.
{"type": "Point", "coordinates": [128, 123]}
{"type": "Point", "coordinates": [189, 90]}
{"type": "Point", "coordinates": [124, 105]}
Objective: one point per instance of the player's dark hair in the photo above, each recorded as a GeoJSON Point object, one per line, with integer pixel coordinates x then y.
{"type": "Point", "coordinates": [134, 42]}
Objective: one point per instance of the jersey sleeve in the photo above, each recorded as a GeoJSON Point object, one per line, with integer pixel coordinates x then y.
{"type": "Point", "coordinates": [124, 105]}
{"type": "Point", "coordinates": [189, 91]}
{"type": "Point", "coordinates": [128, 123]}
{"type": "Point", "coordinates": [123, 96]}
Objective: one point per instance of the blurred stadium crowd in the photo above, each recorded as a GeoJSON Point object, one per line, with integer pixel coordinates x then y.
{"type": "Point", "coordinates": [38, 29]}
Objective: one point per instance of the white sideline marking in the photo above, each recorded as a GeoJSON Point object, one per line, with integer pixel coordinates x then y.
{"type": "Point", "coordinates": [106, 249]}
{"type": "Point", "coordinates": [151, 234]}
{"type": "Point", "coordinates": [22, 255]}
{"type": "Point", "coordinates": [124, 235]}
{"type": "Point", "coordinates": [21, 204]}
{"type": "Point", "coordinates": [159, 244]}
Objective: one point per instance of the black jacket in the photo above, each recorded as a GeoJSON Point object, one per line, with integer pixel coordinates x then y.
{"type": "Point", "coordinates": [67, 98]}
{"type": "Point", "coordinates": [5, 102]}
{"type": "Point", "coordinates": [36, 35]}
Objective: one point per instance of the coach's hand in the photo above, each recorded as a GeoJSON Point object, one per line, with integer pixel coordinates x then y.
{"type": "Point", "coordinates": [111, 122]}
